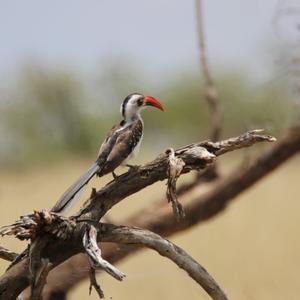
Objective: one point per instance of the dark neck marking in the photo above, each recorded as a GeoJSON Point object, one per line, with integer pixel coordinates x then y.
{"type": "Point", "coordinates": [124, 104]}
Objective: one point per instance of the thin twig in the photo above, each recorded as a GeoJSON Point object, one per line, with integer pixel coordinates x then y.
{"type": "Point", "coordinates": [7, 254]}
{"type": "Point", "coordinates": [91, 247]}
{"type": "Point", "coordinates": [212, 95]}
{"type": "Point", "coordinates": [94, 284]}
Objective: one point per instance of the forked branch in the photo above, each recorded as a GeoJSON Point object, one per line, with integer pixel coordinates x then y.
{"type": "Point", "coordinates": [206, 205]}
{"type": "Point", "coordinates": [61, 238]}
{"type": "Point", "coordinates": [91, 247]}
{"type": "Point", "coordinates": [196, 156]}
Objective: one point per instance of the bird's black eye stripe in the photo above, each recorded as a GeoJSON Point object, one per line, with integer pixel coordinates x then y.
{"type": "Point", "coordinates": [140, 102]}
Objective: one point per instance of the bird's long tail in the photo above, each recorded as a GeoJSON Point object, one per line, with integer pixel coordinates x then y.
{"type": "Point", "coordinates": [69, 197]}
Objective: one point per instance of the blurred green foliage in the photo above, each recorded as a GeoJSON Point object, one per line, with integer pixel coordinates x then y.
{"type": "Point", "coordinates": [48, 114]}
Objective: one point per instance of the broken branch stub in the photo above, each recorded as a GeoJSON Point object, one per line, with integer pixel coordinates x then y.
{"type": "Point", "coordinates": [176, 165]}
{"type": "Point", "coordinates": [94, 253]}
{"type": "Point", "coordinates": [30, 225]}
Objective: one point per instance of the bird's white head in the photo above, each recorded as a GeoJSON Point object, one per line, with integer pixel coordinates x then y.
{"type": "Point", "coordinates": [134, 103]}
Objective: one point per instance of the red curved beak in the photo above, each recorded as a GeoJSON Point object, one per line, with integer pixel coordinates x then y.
{"type": "Point", "coordinates": [150, 101]}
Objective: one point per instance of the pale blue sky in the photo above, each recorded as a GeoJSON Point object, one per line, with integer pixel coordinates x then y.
{"type": "Point", "coordinates": [157, 34]}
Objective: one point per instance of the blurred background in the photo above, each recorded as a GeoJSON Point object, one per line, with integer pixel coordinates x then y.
{"type": "Point", "coordinates": [65, 68]}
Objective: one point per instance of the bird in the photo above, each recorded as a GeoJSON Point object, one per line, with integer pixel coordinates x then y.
{"type": "Point", "coordinates": [122, 144]}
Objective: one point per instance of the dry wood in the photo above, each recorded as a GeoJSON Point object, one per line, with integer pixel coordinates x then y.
{"type": "Point", "coordinates": [39, 266]}
{"type": "Point", "coordinates": [40, 277]}
{"type": "Point", "coordinates": [207, 204]}
{"type": "Point", "coordinates": [196, 156]}
{"type": "Point", "coordinates": [7, 254]}
{"type": "Point", "coordinates": [94, 284]}
{"type": "Point", "coordinates": [175, 168]}
{"type": "Point", "coordinates": [91, 247]}
{"type": "Point", "coordinates": [64, 236]}
{"type": "Point", "coordinates": [134, 235]}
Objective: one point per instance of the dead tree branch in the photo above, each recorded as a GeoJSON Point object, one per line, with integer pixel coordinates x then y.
{"type": "Point", "coordinates": [196, 156]}
{"type": "Point", "coordinates": [175, 168]}
{"type": "Point", "coordinates": [7, 254]}
{"type": "Point", "coordinates": [137, 236]}
{"type": "Point", "coordinates": [63, 236]}
{"type": "Point", "coordinates": [96, 260]}
{"type": "Point", "coordinates": [94, 253]}
{"type": "Point", "coordinates": [94, 284]}
{"type": "Point", "coordinates": [207, 203]}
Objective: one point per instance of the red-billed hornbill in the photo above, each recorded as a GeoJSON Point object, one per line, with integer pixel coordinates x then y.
{"type": "Point", "coordinates": [121, 144]}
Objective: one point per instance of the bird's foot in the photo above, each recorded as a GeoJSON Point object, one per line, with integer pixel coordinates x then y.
{"type": "Point", "coordinates": [132, 167]}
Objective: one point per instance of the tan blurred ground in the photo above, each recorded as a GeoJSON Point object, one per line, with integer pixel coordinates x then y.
{"type": "Point", "coordinates": [252, 249]}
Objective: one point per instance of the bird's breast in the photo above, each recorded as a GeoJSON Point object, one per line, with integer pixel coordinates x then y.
{"type": "Point", "coordinates": [136, 145]}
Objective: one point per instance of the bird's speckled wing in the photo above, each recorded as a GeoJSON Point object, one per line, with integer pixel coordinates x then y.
{"type": "Point", "coordinates": [109, 141]}
{"type": "Point", "coordinates": [118, 146]}
{"type": "Point", "coordinates": [70, 195]}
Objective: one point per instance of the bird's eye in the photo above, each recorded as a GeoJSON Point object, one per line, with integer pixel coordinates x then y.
{"type": "Point", "coordinates": [140, 102]}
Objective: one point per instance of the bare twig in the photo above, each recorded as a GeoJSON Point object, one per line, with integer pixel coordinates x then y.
{"type": "Point", "coordinates": [7, 254]}
{"type": "Point", "coordinates": [245, 140]}
{"type": "Point", "coordinates": [94, 253]}
{"type": "Point", "coordinates": [94, 284]}
{"type": "Point", "coordinates": [212, 96]}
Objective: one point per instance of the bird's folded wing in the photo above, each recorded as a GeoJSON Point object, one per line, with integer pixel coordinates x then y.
{"type": "Point", "coordinates": [122, 146]}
